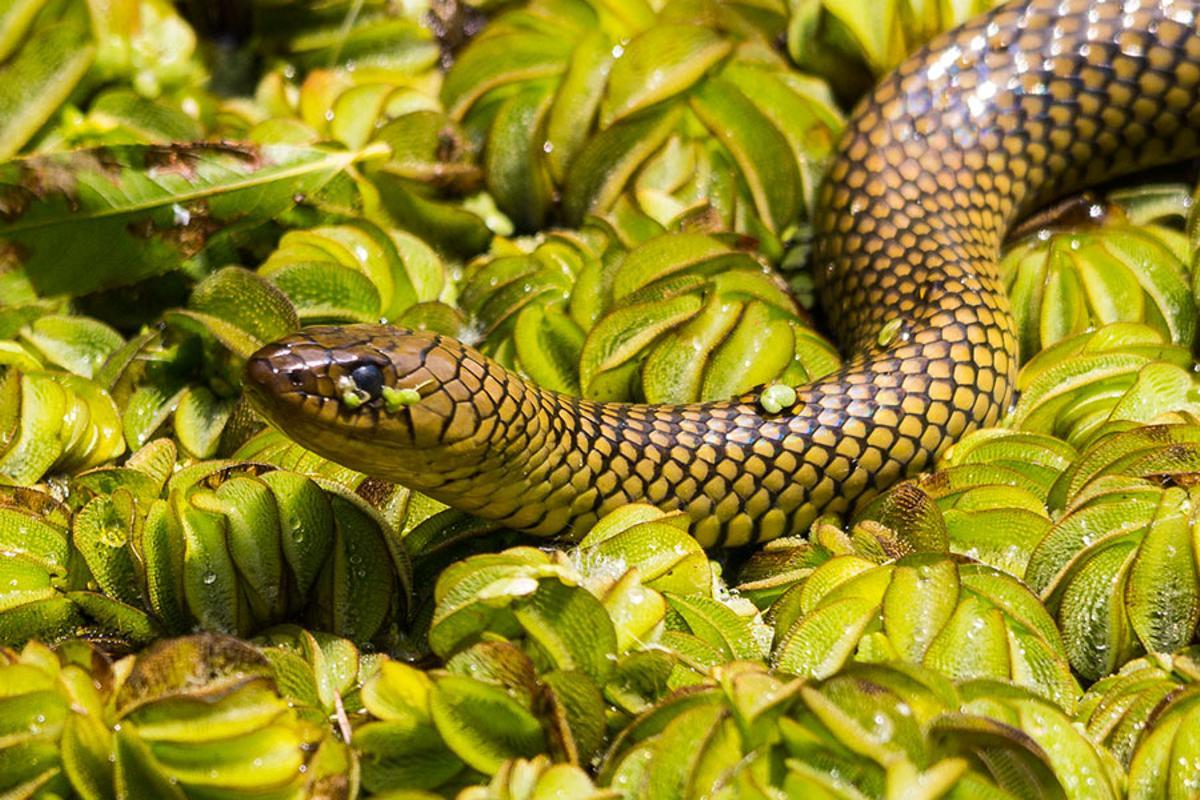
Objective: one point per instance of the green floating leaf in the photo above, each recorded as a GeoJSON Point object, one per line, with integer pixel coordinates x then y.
{"type": "Point", "coordinates": [541, 779]}
{"type": "Point", "coordinates": [1164, 764]}
{"type": "Point", "coordinates": [658, 545]}
{"type": "Point", "coordinates": [202, 714]}
{"type": "Point", "coordinates": [58, 423]}
{"type": "Point", "coordinates": [1066, 283]}
{"type": "Point", "coordinates": [719, 625]}
{"type": "Point", "coordinates": [242, 299]}
{"type": "Point", "coordinates": [402, 748]}
{"type": "Point", "coordinates": [513, 164]}
{"type": "Point", "coordinates": [15, 19]}
{"type": "Point", "coordinates": [358, 246]}
{"type": "Point", "coordinates": [852, 42]}
{"type": "Point", "coordinates": [200, 419]}
{"type": "Point", "coordinates": [34, 714]}
{"type": "Point", "coordinates": [1047, 753]}
{"type": "Point", "coordinates": [992, 513]}
{"type": "Point", "coordinates": [100, 532]}
{"type": "Point", "coordinates": [1038, 457]}
{"type": "Point", "coordinates": [1118, 570]}
{"type": "Point", "coordinates": [327, 293]}
{"type": "Point", "coordinates": [482, 724]}
{"type": "Point", "coordinates": [549, 344]}
{"type": "Point", "coordinates": [77, 344]}
{"type": "Point", "coordinates": [759, 149]}
{"type": "Point", "coordinates": [121, 116]}
{"type": "Point", "coordinates": [780, 565]}
{"type": "Point", "coordinates": [964, 620]}
{"type": "Point", "coordinates": [1163, 596]}
{"type": "Point", "coordinates": [570, 627]}
{"type": "Point", "coordinates": [1153, 452]}
{"type": "Point", "coordinates": [627, 331]}
{"type": "Point", "coordinates": [475, 596]}
{"type": "Point", "coordinates": [1120, 372]}
{"type": "Point", "coordinates": [662, 62]}
{"type": "Point", "coordinates": [610, 158]}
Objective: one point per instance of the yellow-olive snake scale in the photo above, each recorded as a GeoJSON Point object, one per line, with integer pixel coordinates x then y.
{"type": "Point", "coordinates": [1035, 100]}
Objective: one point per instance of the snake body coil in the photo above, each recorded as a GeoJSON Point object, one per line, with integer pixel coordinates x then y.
{"type": "Point", "coordinates": [1035, 100]}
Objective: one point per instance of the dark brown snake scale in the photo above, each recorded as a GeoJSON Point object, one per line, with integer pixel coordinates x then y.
{"type": "Point", "coordinates": [1033, 101]}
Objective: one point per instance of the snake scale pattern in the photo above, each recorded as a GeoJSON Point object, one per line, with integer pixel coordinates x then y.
{"type": "Point", "coordinates": [1033, 101]}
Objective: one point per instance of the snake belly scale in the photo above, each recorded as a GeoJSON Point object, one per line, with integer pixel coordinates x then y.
{"type": "Point", "coordinates": [1035, 100]}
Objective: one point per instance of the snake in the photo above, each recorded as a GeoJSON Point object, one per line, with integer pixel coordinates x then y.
{"type": "Point", "coordinates": [1021, 106]}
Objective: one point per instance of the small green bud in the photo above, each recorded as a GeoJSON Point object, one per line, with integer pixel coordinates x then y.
{"type": "Point", "coordinates": [395, 399]}
{"type": "Point", "coordinates": [353, 398]}
{"type": "Point", "coordinates": [776, 397]}
{"type": "Point", "coordinates": [889, 332]}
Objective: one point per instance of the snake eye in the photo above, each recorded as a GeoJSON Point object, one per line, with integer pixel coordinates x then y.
{"type": "Point", "coordinates": [368, 378]}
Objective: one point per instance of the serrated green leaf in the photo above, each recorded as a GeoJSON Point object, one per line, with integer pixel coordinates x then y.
{"type": "Point", "coordinates": [153, 206]}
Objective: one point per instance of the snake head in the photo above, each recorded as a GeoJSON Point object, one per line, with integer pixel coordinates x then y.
{"type": "Point", "coordinates": [390, 402]}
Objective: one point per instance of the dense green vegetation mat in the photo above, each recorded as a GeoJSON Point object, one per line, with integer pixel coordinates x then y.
{"type": "Point", "coordinates": [611, 197]}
